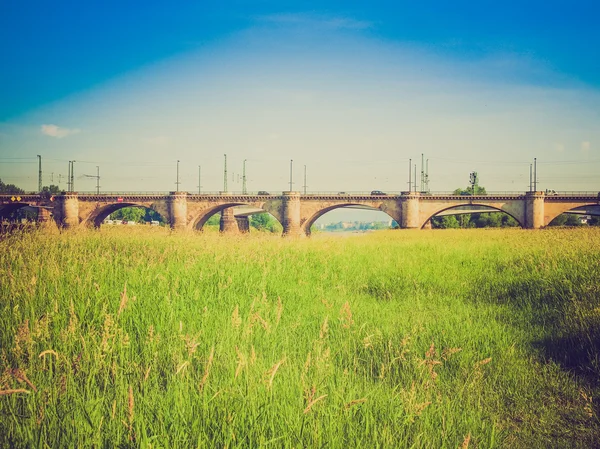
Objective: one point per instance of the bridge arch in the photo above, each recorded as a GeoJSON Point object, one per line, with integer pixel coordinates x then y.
{"type": "Point", "coordinates": [98, 215]}
{"type": "Point", "coordinates": [316, 214]}
{"type": "Point", "coordinates": [557, 209]}
{"type": "Point", "coordinates": [198, 222]}
{"type": "Point", "coordinates": [7, 210]}
{"type": "Point", "coordinates": [496, 208]}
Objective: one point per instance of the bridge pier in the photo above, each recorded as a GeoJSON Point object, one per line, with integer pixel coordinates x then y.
{"type": "Point", "coordinates": [291, 214]}
{"type": "Point", "coordinates": [69, 211]}
{"type": "Point", "coordinates": [534, 210]}
{"type": "Point", "coordinates": [177, 207]}
{"type": "Point", "coordinates": [410, 210]}
{"type": "Point", "coordinates": [228, 223]}
{"type": "Point", "coordinates": [243, 224]}
{"type": "Point", "coordinates": [43, 216]}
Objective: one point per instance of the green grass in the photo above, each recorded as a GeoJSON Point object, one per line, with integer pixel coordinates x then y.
{"type": "Point", "coordinates": [429, 339]}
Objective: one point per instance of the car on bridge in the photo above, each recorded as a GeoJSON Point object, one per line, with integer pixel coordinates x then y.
{"type": "Point", "coordinates": [263, 192]}
{"type": "Point", "coordinates": [378, 192]}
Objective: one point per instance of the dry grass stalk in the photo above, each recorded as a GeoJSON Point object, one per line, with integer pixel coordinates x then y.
{"type": "Point", "coordinates": [48, 351]}
{"type": "Point", "coordinates": [346, 316]}
{"type": "Point", "coordinates": [271, 373]}
{"type": "Point", "coordinates": [448, 352]}
{"type": "Point", "coordinates": [313, 402]}
{"type": "Point", "coordinates": [182, 366]}
{"type": "Point", "coordinates": [252, 356]}
{"type": "Point", "coordinates": [15, 391]}
{"type": "Point", "coordinates": [465, 444]}
{"type": "Point", "coordinates": [257, 318]}
{"type": "Point", "coordinates": [241, 362]}
{"type": "Point", "coordinates": [236, 320]}
{"type": "Point", "coordinates": [430, 361]}
{"type": "Point", "coordinates": [354, 402]}
{"type": "Point", "coordinates": [279, 309]}
{"type": "Point", "coordinates": [22, 377]}
{"type": "Point", "coordinates": [124, 299]}
{"type": "Point", "coordinates": [324, 328]}
{"type": "Point", "coordinates": [482, 362]}
{"type": "Point", "coordinates": [114, 410]}
{"type": "Point", "coordinates": [207, 369]}
{"type": "Point", "coordinates": [147, 373]}
{"type": "Point", "coordinates": [131, 406]}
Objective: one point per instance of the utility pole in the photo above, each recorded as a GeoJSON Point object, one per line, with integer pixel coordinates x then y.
{"type": "Point", "coordinates": [97, 179]}
{"type": "Point", "coordinates": [59, 179]}
{"type": "Point", "coordinates": [52, 177]}
{"type": "Point", "coordinates": [530, 177]}
{"type": "Point", "coordinates": [177, 181]}
{"type": "Point", "coordinates": [415, 180]}
{"type": "Point", "coordinates": [39, 173]}
{"type": "Point", "coordinates": [422, 173]}
{"type": "Point", "coordinates": [535, 174]}
{"type": "Point", "coordinates": [225, 175]}
{"type": "Point", "coordinates": [291, 171]}
{"type": "Point", "coordinates": [305, 179]}
{"type": "Point", "coordinates": [409, 175]}
{"type": "Point", "coordinates": [244, 190]}
{"type": "Point", "coordinates": [473, 180]}
{"type": "Point", "coordinates": [427, 175]}
{"type": "Point", "coordinates": [69, 178]}
{"type": "Point", "coordinates": [199, 179]}
{"type": "Point", "coordinates": [73, 176]}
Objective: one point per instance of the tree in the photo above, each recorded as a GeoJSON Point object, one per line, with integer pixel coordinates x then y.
{"type": "Point", "coordinates": [265, 222]}
{"type": "Point", "coordinates": [10, 188]}
{"type": "Point", "coordinates": [213, 220]}
{"type": "Point", "coordinates": [134, 214]}
{"type": "Point", "coordinates": [51, 189]}
{"type": "Point", "coordinates": [469, 191]}
{"type": "Point", "coordinates": [445, 222]}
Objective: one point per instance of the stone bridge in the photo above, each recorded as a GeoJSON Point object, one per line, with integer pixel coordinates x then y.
{"type": "Point", "coordinates": [295, 211]}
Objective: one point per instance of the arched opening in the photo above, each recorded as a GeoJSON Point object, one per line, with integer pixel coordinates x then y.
{"type": "Point", "coordinates": [471, 216]}
{"type": "Point", "coordinates": [349, 218]}
{"type": "Point", "coordinates": [18, 215]}
{"type": "Point", "coordinates": [247, 217]}
{"type": "Point", "coordinates": [586, 215]}
{"type": "Point", "coordinates": [126, 214]}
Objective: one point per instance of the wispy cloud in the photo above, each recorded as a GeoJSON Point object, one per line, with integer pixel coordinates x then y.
{"type": "Point", "coordinates": [316, 21]}
{"type": "Point", "coordinates": [57, 131]}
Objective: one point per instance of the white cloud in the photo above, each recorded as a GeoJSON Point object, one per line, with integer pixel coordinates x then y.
{"type": "Point", "coordinates": [585, 146]}
{"type": "Point", "coordinates": [57, 131]}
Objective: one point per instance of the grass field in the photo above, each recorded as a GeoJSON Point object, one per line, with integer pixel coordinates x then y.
{"type": "Point", "coordinates": [425, 339]}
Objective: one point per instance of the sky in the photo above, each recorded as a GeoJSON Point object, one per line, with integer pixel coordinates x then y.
{"type": "Point", "coordinates": [349, 92]}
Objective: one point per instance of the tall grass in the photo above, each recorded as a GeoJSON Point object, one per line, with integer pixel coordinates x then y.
{"type": "Point", "coordinates": [444, 339]}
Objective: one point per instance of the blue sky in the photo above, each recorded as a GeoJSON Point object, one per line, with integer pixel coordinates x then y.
{"type": "Point", "coordinates": [349, 90]}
